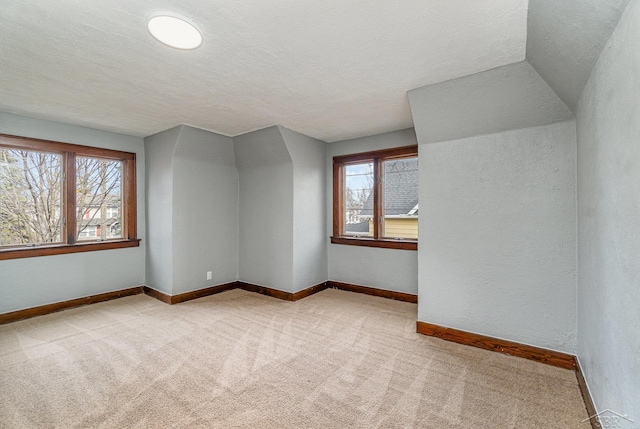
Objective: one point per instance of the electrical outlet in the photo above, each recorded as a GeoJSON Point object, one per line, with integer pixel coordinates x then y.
{"type": "Point", "coordinates": [209, 275]}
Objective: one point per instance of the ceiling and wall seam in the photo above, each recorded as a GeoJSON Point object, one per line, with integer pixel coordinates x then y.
{"type": "Point", "coordinates": [260, 63]}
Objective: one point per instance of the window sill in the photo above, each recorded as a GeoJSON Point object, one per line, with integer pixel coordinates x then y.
{"type": "Point", "coordinates": [62, 249]}
{"type": "Point", "coordinates": [372, 242]}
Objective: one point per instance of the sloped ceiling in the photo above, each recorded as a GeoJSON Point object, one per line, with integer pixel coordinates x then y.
{"type": "Point", "coordinates": [565, 38]}
{"type": "Point", "coordinates": [331, 70]}
{"type": "Point", "coordinates": [505, 98]}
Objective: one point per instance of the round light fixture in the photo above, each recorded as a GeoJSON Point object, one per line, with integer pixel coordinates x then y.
{"type": "Point", "coordinates": [174, 32]}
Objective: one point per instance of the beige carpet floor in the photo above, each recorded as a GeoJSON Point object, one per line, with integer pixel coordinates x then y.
{"type": "Point", "coordinates": [242, 360]}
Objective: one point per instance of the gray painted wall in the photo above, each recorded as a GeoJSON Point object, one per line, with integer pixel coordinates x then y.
{"type": "Point", "coordinates": [608, 129]}
{"type": "Point", "coordinates": [505, 98]}
{"type": "Point", "coordinates": [31, 282]}
{"type": "Point", "coordinates": [564, 39]}
{"type": "Point", "coordinates": [389, 269]}
{"type": "Point", "coordinates": [309, 208]}
{"type": "Point", "coordinates": [265, 169]}
{"type": "Point", "coordinates": [192, 217]}
{"type": "Point", "coordinates": [497, 235]}
{"type": "Point", "coordinates": [159, 150]}
{"type": "Point", "coordinates": [205, 210]}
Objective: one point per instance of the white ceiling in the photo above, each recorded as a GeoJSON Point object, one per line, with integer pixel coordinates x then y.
{"type": "Point", "coordinates": [506, 98]}
{"type": "Point", "coordinates": [565, 38]}
{"type": "Point", "coordinates": [330, 69]}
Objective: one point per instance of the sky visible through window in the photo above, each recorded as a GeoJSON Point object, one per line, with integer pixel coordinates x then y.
{"type": "Point", "coordinates": [30, 197]}
{"type": "Point", "coordinates": [358, 187]}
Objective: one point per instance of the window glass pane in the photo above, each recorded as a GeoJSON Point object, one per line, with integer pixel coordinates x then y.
{"type": "Point", "coordinates": [30, 197]}
{"type": "Point", "coordinates": [98, 198]}
{"type": "Point", "coordinates": [358, 199]}
{"type": "Point", "coordinates": [400, 196]}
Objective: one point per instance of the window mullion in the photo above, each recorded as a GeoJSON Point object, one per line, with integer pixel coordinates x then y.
{"type": "Point", "coordinates": [128, 185]}
{"type": "Point", "coordinates": [70, 196]}
{"type": "Point", "coordinates": [377, 197]}
{"type": "Point", "coordinates": [338, 199]}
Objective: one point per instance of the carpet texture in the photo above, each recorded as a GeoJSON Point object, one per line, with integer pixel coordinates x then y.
{"type": "Point", "coordinates": [242, 360]}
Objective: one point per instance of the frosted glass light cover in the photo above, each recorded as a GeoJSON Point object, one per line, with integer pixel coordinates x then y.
{"type": "Point", "coordinates": [174, 32]}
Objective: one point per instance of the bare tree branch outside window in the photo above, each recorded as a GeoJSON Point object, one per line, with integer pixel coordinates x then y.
{"type": "Point", "coordinates": [31, 211]}
{"type": "Point", "coordinates": [98, 198]}
{"type": "Point", "coordinates": [30, 197]}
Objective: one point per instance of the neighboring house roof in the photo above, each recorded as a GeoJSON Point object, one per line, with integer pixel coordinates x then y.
{"type": "Point", "coordinates": [400, 189]}
{"type": "Point", "coordinates": [359, 227]}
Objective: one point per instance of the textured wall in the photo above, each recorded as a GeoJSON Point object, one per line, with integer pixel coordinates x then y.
{"type": "Point", "coordinates": [266, 209]}
{"type": "Point", "coordinates": [192, 217]}
{"type": "Point", "coordinates": [159, 149]}
{"type": "Point", "coordinates": [205, 210]}
{"type": "Point", "coordinates": [505, 98]}
{"type": "Point", "coordinates": [564, 39]}
{"type": "Point", "coordinates": [497, 235]}
{"type": "Point", "coordinates": [309, 208]}
{"type": "Point", "coordinates": [608, 128]}
{"type": "Point", "coordinates": [31, 282]}
{"type": "Point", "coordinates": [388, 269]}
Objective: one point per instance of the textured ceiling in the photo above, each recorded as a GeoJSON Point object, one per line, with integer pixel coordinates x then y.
{"type": "Point", "coordinates": [329, 69]}
{"type": "Point", "coordinates": [505, 98]}
{"type": "Point", "coordinates": [565, 38]}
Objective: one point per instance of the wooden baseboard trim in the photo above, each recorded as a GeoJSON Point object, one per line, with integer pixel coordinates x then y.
{"type": "Point", "coordinates": [586, 395]}
{"type": "Point", "coordinates": [309, 291]}
{"type": "Point", "coordinates": [264, 290]}
{"type": "Point", "coordinates": [549, 357]}
{"type": "Point", "coordinates": [286, 296]}
{"type": "Point", "coordinates": [398, 296]}
{"type": "Point", "coordinates": [200, 293]}
{"type": "Point", "coordinates": [275, 293]}
{"type": "Point", "coordinates": [14, 316]}
{"type": "Point", "coordinates": [160, 296]}
{"type": "Point", "coordinates": [188, 296]}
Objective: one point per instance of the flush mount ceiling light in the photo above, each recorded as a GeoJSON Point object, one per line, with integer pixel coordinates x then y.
{"type": "Point", "coordinates": [174, 32]}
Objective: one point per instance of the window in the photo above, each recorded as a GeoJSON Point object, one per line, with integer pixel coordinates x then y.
{"type": "Point", "coordinates": [62, 198]}
{"type": "Point", "coordinates": [98, 194]}
{"type": "Point", "coordinates": [375, 199]}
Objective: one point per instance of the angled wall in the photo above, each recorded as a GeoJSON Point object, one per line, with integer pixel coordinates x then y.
{"type": "Point", "coordinates": [192, 199]}
{"type": "Point", "coordinates": [501, 99]}
{"type": "Point", "coordinates": [608, 129]}
{"type": "Point", "coordinates": [498, 235]}
{"type": "Point", "coordinates": [249, 208]}
{"type": "Point", "coordinates": [564, 39]}
{"type": "Point", "coordinates": [497, 251]}
{"type": "Point", "coordinates": [309, 208]}
{"type": "Point", "coordinates": [205, 210]}
{"type": "Point", "coordinates": [159, 149]}
{"type": "Point", "coordinates": [265, 209]}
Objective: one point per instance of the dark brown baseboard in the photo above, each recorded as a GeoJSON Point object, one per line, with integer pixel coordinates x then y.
{"type": "Point", "coordinates": [175, 299]}
{"type": "Point", "coordinates": [188, 296]}
{"type": "Point", "coordinates": [264, 290]}
{"type": "Point", "coordinates": [309, 291]}
{"type": "Point", "coordinates": [549, 357]}
{"type": "Point", "coordinates": [287, 296]}
{"type": "Point", "coordinates": [398, 296]}
{"type": "Point", "coordinates": [275, 293]}
{"type": "Point", "coordinates": [586, 396]}
{"type": "Point", "coordinates": [160, 296]}
{"type": "Point", "coordinates": [64, 305]}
